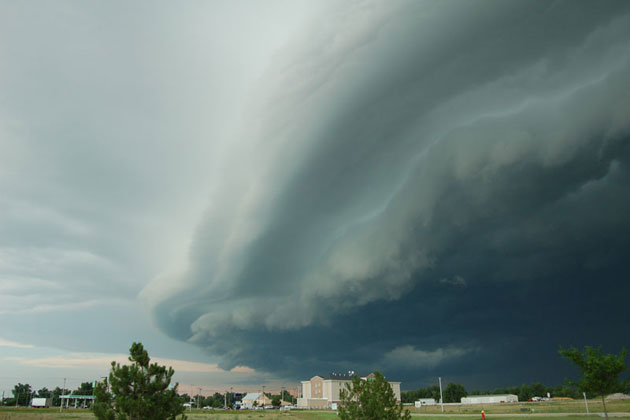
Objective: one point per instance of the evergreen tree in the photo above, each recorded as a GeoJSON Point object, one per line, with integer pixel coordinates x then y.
{"type": "Point", "coordinates": [372, 399]}
{"type": "Point", "coordinates": [139, 391]}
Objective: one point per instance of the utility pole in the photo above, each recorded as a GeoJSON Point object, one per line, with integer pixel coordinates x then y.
{"type": "Point", "coordinates": [441, 397]}
{"type": "Point", "coordinates": [263, 397]}
{"type": "Point", "coordinates": [586, 404]}
{"type": "Point", "coordinates": [198, 396]}
{"type": "Point", "coordinates": [63, 391]}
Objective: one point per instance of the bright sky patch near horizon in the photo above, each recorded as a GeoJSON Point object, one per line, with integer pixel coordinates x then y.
{"type": "Point", "coordinates": [264, 191]}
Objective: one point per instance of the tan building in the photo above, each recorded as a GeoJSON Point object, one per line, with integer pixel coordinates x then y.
{"type": "Point", "coordinates": [255, 399]}
{"type": "Point", "coordinates": [324, 391]}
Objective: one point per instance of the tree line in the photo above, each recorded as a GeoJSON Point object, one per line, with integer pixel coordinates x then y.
{"type": "Point", "coordinates": [454, 392]}
{"type": "Point", "coordinates": [24, 393]}
{"type": "Point", "coordinates": [600, 376]}
{"type": "Point", "coordinates": [218, 400]}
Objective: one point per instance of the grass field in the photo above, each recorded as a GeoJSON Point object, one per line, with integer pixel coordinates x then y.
{"type": "Point", "coordinates": [576, 406]}
{"type": "Point", "coordinates": [467, 412]}
{"type": "Point", "coordinates": [507, 417]}
{"type": "Point", "coordinates": [79, 414]}
{"type": "Point", "coordinates": [29, 414]}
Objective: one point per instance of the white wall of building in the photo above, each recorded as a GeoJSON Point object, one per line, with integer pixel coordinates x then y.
{"type": "Point", "coordinates": [327, 390]}
{"type": "Point", "coordinates": [489, 399]}
{"type": "Point", "coordinates": [337, 386]}
{"type": "Point", "coordinates": [396, 388]}
{"type": "Point", "coordinates": [306, 389]}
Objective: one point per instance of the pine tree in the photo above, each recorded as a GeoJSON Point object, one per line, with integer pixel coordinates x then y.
{"type": "Point", "coordinates": [140, 391]}
{"type": "Point", "coordinates": [371, 399]}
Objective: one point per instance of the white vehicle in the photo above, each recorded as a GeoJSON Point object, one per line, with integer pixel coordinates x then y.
{"type": "Point", "coordinates": [41, 402]}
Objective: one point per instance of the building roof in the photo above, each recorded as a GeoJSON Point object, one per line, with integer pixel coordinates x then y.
{"type": "Point", "coordinates": [338, 376]}
{"type": "Point", "coordinates": [251, 396]}
{"type": "Point", "coordinates": [347, 376]}
{"type": "Point", "coordinates": [491, 395]}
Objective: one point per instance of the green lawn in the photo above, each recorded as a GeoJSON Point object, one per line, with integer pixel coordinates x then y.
{"type": "Point", "coordinates": [507, 416]}
{"type": "Point", "coordinates": [576, 406]}
{"type": "Point", "coordinates": [504, 410]}
{"type": "Point", "coordinates": [12, 413]}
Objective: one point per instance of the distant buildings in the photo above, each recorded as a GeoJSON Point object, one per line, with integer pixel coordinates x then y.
{"type": "Point", "coordinates": [254, 399]}
{"type": "Point", "coordinates": [489, 399]}
{"type": "Point", "coordinates": [324, 391]}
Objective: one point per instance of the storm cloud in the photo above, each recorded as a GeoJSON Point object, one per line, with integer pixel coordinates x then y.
{"type": "Point", "coordinates": [420, 187]}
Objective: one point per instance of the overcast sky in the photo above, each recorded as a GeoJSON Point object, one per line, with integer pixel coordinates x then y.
{"type": "Point", "coordinates": [265, 191]}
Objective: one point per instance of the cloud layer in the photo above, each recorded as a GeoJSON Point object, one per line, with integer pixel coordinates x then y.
{"type": "Point", "coordinates": [414, 164]}
{"type": "Point", "coordinates": [113, 119]}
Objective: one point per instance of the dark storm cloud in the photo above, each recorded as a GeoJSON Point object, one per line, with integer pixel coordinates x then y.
{"type": "Point", "coordinates": [423, 187]}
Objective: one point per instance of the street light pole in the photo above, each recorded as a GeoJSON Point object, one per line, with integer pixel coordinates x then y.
{"type": "Point", "coordinates": [63, 391]}
{"type": "Point", "coordinates": [586, 404]}
{"type": "Point", "coordinates": [441, 397]}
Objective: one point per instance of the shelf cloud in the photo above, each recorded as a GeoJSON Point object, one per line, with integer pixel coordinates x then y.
{"type": "Point", "coordinates": [422, 180]}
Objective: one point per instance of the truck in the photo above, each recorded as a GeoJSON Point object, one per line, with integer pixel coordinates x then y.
{"type": "Point", "coordinates": [41, 402]}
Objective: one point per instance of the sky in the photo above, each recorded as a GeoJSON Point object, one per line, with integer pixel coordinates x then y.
{"type": "Point", "coordinates": [260, 192]}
